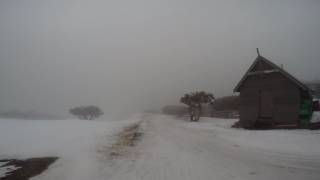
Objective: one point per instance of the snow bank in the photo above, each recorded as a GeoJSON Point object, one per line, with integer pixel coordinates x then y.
{"type": "Point", "coordinates": [300, 142]}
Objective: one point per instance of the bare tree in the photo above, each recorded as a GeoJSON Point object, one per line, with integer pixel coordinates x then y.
{"type": "Point", "coordinates": [86, 112]}
{"type": "Point", "coordinates": [194, 101]}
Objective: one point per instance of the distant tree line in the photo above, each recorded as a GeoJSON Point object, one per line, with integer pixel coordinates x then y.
{"type": "Point", "coordinates": [18, 114]}
{"type": "Point", "coordinates": [226, 103]}
{"type": "Point", "coordinates": [86, 112]}
{"type": "Point", "coordinates": [175, 110]}
{"type": "Point", "coordinates": [315, 87]}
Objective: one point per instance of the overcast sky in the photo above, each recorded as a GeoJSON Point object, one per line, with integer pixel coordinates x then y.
{"type": "Point", "coordinates": [130, 55]}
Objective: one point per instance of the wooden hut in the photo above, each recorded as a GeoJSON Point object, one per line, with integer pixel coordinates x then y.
{"type": "Point", "coordinates": [270, 96]}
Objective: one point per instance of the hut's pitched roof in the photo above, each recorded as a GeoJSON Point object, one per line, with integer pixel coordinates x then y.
{"type": "Point", "coordinates": [275, 68]}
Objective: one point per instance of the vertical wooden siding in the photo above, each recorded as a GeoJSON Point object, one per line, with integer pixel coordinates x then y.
{"type": "Point", "coordinates": [285, 98]}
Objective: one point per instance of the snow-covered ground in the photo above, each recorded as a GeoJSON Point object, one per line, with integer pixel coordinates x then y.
{"type": "Point", "coordinates": [75, 142]}
{"type": "Point", "coordinates": [175, 149]}
{"type": "Point", "coordinates": [299, 142]}
{"type": "Point", "coordinates": [171, 148]}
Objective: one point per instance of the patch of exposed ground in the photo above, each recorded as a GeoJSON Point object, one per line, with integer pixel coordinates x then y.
{"type": "Point", "coordinates": [125, 139]}
{"type": "Point", "coordinates": [27, 168]}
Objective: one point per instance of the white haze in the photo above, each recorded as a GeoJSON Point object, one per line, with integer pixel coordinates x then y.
{"type": "Point", "coordinates": [127, 56]}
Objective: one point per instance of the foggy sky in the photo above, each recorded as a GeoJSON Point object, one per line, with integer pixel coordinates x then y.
{"type": "Point", "coordinates": [131, 55]}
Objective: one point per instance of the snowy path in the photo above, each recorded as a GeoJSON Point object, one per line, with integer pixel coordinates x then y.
{"type": "Point", "coordinates": [173, 151]}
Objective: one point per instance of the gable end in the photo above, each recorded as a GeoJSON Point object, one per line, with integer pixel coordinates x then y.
{"type": "Point", "coordinates": [262, 65]}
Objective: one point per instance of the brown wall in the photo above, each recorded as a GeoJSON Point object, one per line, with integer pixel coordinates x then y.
{"type": "Point", "coordinates": [285, 99]}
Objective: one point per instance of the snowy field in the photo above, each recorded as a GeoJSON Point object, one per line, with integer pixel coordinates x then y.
{"type": "Point", "coordinates": [170, 149]}
{"type": "Point", "coordinates": [75, 142]}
